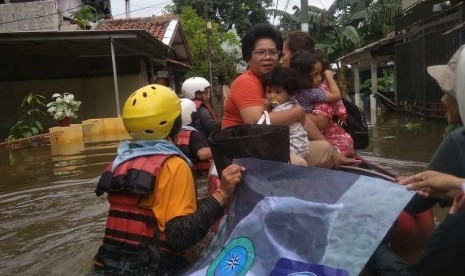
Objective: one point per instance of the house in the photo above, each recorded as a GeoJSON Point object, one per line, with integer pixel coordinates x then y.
{"type": "Point", "coordinates": [164, 28]}
{"type": "Point", "coordinates": [100, 67]}
{"type": "Point", "coordinates": [426, 33]}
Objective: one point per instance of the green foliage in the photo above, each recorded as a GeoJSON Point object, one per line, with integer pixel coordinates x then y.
{"type": "Point", "coordinates": [30, 124]}
{"type": "Point", "coordinates": [317, 20]}
{"type": "Point", "coordinates": [373, 19]}
{"type": "Point", "coordinates": [228, 14]}
{"type": "Point", "coordinates": [84, 15]}
{"type": "Point", "coordinates": [385, 82]}
{"type": "Point", "coordinates": [412, 126]}
{"type": "Point", "coordinates": [223, 61]}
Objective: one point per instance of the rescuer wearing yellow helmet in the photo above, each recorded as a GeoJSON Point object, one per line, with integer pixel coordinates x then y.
{"type": "Point", "coordinates": [154, 215]}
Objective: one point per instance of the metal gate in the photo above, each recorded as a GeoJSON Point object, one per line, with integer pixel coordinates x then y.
{"type": "Point", "coordinates": [424, 38]}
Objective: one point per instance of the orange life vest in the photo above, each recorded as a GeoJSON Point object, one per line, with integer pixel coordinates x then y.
{"type": "Point", "coordinates": [183, 144]}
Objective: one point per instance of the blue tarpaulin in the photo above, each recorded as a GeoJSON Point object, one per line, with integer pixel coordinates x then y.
{"type": "Point", "coordinates": [292, 220]}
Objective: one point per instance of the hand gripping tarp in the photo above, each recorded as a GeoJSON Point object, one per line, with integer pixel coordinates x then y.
{"type": "Point", "coordinates": [285, 219]}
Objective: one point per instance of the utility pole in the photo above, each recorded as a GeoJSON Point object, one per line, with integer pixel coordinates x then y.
{"type": "Point", "coordinates": [209, 51]}
{"type": "Point", "coordinates": [128, 9]}
{"type": "Point", "coordinates": [304, 15]}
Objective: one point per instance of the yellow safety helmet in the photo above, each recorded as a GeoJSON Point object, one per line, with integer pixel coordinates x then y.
{"type": "Point", "coordinates": [150, 112]}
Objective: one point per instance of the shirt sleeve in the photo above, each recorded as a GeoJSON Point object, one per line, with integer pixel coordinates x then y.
{"type": "Point", "coordinates": [247, 94]}
{"type": "Point", "coordinates": [317, 95]}
{"type": "Point", "coordinates": [197, 142]}
{"type": "Point", "coordinates": [174, 194]}
{"type": "Point", "coordinates": [207, 120]}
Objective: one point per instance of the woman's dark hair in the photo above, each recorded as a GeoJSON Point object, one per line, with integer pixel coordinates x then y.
{"type": "Point", "coordinates": [302, 64]}
{"type": "Point", "coordinates": [281, 77]}
{"type": "Point", "coordinates": [298, 41]}
{"type": "Point", "coordinates": [257, 32]}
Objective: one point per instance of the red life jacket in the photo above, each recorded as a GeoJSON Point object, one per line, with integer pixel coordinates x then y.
{"type": "Point", "coordinates": [183, 144]}
{"type": "Point", "coordinates": [199, 103]}
{"type": "Point", "coordinates": [129, 228]}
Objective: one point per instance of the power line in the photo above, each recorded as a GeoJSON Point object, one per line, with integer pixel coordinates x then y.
{"type": "Point", "coordinates": [147, 7]}
{"type": "Point", "coordinates": [321, 3]}
{"type": "Point", "coordinates": [286, 6]}
{"type": "Point", "coordinates": [74, 8]}
{"type": "Point", "coordinates": [39, 16]}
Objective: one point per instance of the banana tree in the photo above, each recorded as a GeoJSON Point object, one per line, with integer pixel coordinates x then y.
{"type": "Point", "coordinates": [340, 40]}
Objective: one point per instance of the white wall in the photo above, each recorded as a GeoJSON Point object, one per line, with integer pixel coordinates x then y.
{"type": "Point", "coordinates": [30, 16]}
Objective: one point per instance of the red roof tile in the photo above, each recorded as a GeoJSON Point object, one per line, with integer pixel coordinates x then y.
{"type": "Point", "coordinates": [155, 25]}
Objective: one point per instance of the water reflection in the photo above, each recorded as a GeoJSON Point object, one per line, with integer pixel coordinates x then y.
{"type": "Point", "coordinates": [52, 222]}
{"type": "Point", "coordinates": [402, 142]}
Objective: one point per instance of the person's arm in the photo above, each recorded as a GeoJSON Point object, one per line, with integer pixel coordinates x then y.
{"type": "Point", "coordinates": [207, 120]}
{"type": "Point", "coordinates": [434, 184]}
{"type": "Point", "coordinates": [334, 94]}
{"type": "Point", "coordinates": [320, 121]}
{"type": "Point", "coordinates": [251, 114]}
{"type": "Point", "coordinates": [288, 116]}
{"type": "Point", "coordinates": [185, 231]}
{"type": "Point", "coordinates": [199, 146]}
{"type": "Point", "coordinates": [204, 153]}
{"type": "Point", "coordinates": [313, 133]}
{"type": "Point", "coordinates": [341, 159]}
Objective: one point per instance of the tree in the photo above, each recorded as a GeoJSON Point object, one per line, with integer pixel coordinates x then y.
{"type": "Point", "coordinates": [317, 20]}
{"type": "Point", "coordinates": [373, 19]}
{"type": "Point", "coordinates": [240, 14]}
{"type": "Point", "coordinates": [223, 61]}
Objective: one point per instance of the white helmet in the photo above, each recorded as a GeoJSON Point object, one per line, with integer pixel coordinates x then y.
{"type": "Point", "coordinates": [187, 108]}
{"type": "Point", "coordinates": [193, 85]}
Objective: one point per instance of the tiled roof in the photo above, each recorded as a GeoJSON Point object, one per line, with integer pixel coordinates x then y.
{"type": "Point", "coordinates": [154, 25]}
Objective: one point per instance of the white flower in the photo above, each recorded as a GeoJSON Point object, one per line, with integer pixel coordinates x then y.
{"type": "Point", "coordinates": [63, 106]}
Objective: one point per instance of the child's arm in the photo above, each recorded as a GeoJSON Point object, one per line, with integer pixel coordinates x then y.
{"type": "Point", "coordinates": [320, 121]}
{"type": "Point", "coordinates": [313, 133]}
{"type": "Point", "coordinates": [334, 94]}
{"type": "Point", "coordinates": [204, 154]}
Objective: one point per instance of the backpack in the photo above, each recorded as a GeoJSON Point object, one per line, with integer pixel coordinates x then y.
{"type": "Point", "coordinates": [355, 125]}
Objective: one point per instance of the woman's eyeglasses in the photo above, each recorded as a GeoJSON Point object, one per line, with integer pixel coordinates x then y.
{"type": "Point", "coordinates": [261, 53]}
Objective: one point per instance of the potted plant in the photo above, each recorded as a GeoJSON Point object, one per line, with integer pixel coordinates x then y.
{"type": "Point", "coordinates": [63, 108]}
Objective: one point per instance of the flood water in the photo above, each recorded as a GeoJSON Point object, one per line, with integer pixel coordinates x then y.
{"type": "Point", "coordinates": [52, 222]}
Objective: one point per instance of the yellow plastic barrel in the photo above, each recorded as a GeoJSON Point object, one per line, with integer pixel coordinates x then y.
{"type": "Point", "coordinates": [93, 130]}
{"type": "Point", "coordinates": [66, 140]}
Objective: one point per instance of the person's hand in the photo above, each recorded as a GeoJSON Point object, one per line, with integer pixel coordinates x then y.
{"type": "Point", "coordinates": [341, 159]}
{"type": "Point", "coordinates": [329, 74]}
{"type": "Point", "coordinates": [458, 204]}
{"type": "Point", "coordinates": [230, 176]}
{"type": "Point", "coordinates": [434, 184]}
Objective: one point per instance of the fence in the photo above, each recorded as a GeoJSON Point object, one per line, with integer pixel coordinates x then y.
{"type": "Point", "coordinates": [424, 38]}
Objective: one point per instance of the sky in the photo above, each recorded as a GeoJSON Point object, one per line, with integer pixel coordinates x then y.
{"type": "Point", "coordinates": [142, 8]}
